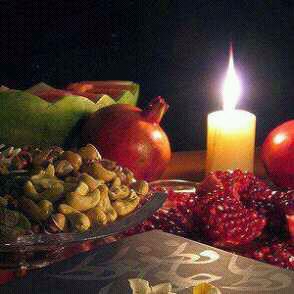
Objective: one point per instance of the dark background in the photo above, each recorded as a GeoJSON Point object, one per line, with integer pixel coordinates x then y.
{"type": "Point", "coordinates": [176, 49]}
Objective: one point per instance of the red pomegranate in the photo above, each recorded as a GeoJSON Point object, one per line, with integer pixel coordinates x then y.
{"type": "Point", "coordinates": [278, 155]}
{"type": "Point", "coordinates": [131, 136]}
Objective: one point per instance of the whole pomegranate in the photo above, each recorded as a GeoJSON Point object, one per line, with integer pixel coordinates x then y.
{"type": "Point", "coordinates": [278, 154]}
{"type": "Point", "coordinates": [131, 136]}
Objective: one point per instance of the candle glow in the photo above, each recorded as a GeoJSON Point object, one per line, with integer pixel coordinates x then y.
{"type": "Point", "coordinates": [231, 90]}
{"type": "Point", "coordinates": [231, 132]}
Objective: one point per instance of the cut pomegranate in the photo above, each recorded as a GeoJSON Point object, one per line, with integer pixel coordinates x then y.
{"type": "Point", "coordinates": [277, 253]}
{"type": "Point", "coordinates": [226, 222]}
{"type": "Point", "coordinates": [210, 183]}
{"type": "Point", "coordinates": [290, 225]}
{"type": "Point", "coordinates": [232, 210]}
{"type": "Point", "coordinates": [284, 204]}
{"type": "Point", "coordinates": [169, 220]}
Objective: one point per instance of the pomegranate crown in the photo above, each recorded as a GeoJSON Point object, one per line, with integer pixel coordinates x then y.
{"type": "Point", "coordinates": [155, 110]}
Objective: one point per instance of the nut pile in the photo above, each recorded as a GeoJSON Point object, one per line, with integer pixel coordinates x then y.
{"type": "Point", "coordinates": [63, 191]}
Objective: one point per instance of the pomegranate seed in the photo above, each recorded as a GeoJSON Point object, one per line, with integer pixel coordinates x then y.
{"type": "Point", "coordinates": [232, 210]}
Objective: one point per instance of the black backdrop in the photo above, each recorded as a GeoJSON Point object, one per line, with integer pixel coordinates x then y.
{"type": "Point", "coordinates": [176, 49]}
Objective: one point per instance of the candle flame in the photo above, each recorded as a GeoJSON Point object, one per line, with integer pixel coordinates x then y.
{"type": "Point", "coordinates": [231, 86]}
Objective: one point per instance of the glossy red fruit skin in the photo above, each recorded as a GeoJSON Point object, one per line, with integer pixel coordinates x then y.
{"type": "Point", "coordinates": [121, 133]}
{"type": "Point", "coordinates": [278, 155]}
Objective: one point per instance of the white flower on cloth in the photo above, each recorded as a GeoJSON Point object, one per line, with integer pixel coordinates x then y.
{"type": "Point", "coordinates": [140, 286]}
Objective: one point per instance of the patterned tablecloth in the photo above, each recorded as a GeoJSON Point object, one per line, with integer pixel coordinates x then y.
{"type": "Point", "coordinates": [157, 257]}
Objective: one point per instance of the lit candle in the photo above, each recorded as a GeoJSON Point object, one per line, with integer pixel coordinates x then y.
{"type": "Point", "coordinates": [231, 132]}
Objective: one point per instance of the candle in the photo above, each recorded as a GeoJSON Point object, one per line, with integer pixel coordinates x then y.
{"type": "Point", "coordinates": [231, 132]}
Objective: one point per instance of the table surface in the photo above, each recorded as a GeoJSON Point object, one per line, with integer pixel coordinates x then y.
{"type": "Point", "coordinates": [187, 165]}
{"type": "Point", "coordinates": [157, 257]}
{"type": "Point", "coordinates": [190, 165]}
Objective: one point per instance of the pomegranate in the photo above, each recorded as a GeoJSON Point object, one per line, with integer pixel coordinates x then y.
{"type": "Point", "coordinates": [132, 137]}
{"type": "Point", "coordinates": [277, 252]}
{"type": "Point", "coordinates": [234, 211]}
{"type": "Point", "coordinates": [225, 221]}
{"type": "Point", "coordinates": [278, 155]}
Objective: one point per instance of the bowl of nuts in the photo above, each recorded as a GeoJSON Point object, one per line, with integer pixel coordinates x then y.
{"type": "Point", "coordinates": [55, 201]}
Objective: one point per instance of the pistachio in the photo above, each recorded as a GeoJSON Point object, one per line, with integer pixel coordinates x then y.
{"type": "Point", "coordinates": [71, 179]}
{"type": "Point", "coordinates": [23, 222]}
{"type": "Point", "coordinates": [108, 164]}
{"type": "Point", "coordinates": [58, 223]}
{"type": "Point", "coordinates": [30, 191]}
{"type": "Point", "coordinates": [45, 183]}
{"type": "Point", "coordinates": [3, 202]}
{"type": "Point", "coordinates": [133, 195]}
{"type": "Point", "coordinates": [111, 214]}
{"type": "Point", "coordinates": [89, 153]}
{"type": "Point", "coordinates": [93, 190]}
{"type": "Point", "coordinates": [4, 168]}
{"type": "Point", "coordinates": [9, 217]}
{"type": "Point", "coordinates": [11, 201]}
{"type": "Point", "coordinates": [118, 169]}
{"type": "Point", "coordinates": [73, 158]}
{"type": "Point", "coordinates": [32, 209]}
{"type": "Point", "coordinates": [82, 189]}
{"type": "Point", "coordinates": [49, 171]}
{"type": "Point", "coordinates": [97, 216]}
{"type": "Point", "coordinates": [14, 219]}
{"type": "Point", "coordinates": [116, 182]}
{"type": "Point", "coordinates": [10, 233]}
{"type": "Point", "coordinates": [39, 158]}
{"type": "Point", "coordinates": [36, 228]}
{"type": "Point", "coordinates": [130, 178]}
{"type": "Point", "coordinates": [63, 168]}
{"type": "Point", "coordinates": [46, 208]}
{"type": "Point", "coordinates": [121, 175]}
{"type": "Point", "coordinates": [38, 173]}
{"type": "Point", "coordinates": [69, 186]}
{"type": "Point", "coordinates": [120, 192]}
{"type": "Point", "coordinates": [141, 187]}
{"type": "Point", "coordinates": [54, 193]}
{"type": "Point", "coordinates": [55, 153]}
